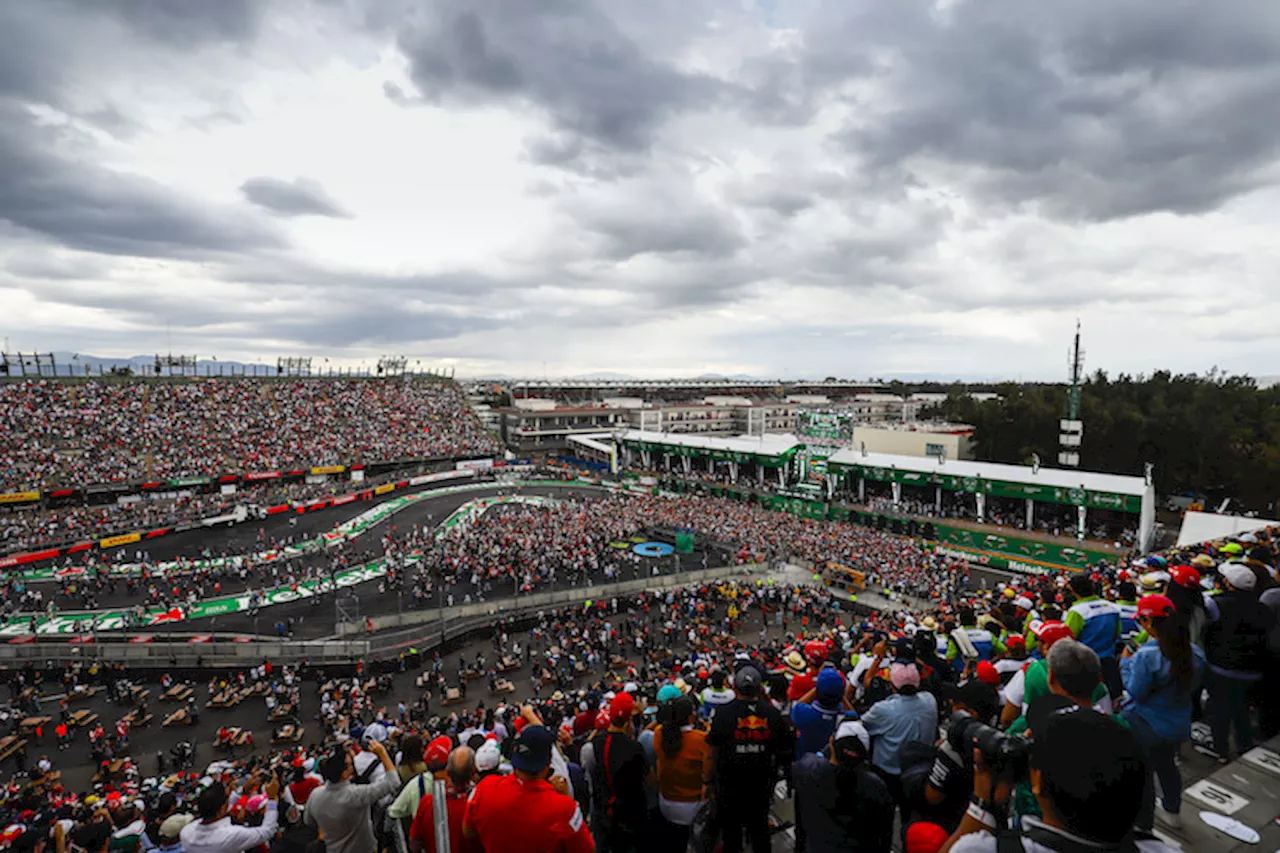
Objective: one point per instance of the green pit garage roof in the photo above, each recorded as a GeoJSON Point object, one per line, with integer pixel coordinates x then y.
{"type": "Point", "coordinates": [1054, 485]}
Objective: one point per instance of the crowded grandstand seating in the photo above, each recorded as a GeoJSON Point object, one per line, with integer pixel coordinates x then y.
{"type": "Point", "coordinates": [70, 434]}
{"type": "Point", "coordinates": [31, 528]}
{"type": "Point", "coordinates": [1075, 660]}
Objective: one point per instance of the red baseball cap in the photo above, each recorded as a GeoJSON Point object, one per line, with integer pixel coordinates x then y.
{"type": "Point", "coordinates": [924, 837]}
{"type": "Point", "coordinates": [437, 755]}
{"type": "Point", "coordinates": [1015, 640]}
{"type": "Point", "coordinates": [1188, 576]}
{"type": "Point", "coordinates": [1050, 632]}
{"type": "Point", "coordinates": [987, 673]}
{"type": "Point", "coordinates": [1155, 605]}
{"type": "Point", "coordinates": [621, 708]}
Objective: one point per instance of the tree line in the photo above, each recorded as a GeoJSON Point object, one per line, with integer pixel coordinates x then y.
{"type": "Point", "coordinates": [1215, 436]}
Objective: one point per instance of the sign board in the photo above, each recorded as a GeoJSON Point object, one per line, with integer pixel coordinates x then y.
{"type": "Point", "coordinates": [1263, 759]}
{"type": "Point", "coordinates": [1216, 796]}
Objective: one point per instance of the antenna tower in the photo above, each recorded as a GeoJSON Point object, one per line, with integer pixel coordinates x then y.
{"type": "Point", "coordinates": [1071, 427]}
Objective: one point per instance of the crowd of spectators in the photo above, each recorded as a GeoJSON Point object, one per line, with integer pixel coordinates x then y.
{"type": "Point", "coordinates": [682, 715]}
{"type": "Point", "coordinates": [64, 434]}
{"type": "Point", "coordinates": [33, 528]}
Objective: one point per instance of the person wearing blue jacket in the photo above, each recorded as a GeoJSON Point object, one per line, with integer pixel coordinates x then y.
{"type": "Point", "coordinates": [1160, 678]}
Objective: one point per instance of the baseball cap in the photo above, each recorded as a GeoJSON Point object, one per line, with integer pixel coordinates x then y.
{"type": "Point", "coordinates": [1015, 641]}
{"type": "Point", "coordinates": [488, 756]}
{"type": "Point", "coordinates": [853, 729]}
{"type": "Point", "coordinates": [532, 750]}
{"type": "Point", "coordinates": [903, 675]}
{"type": "Point", "coordinates": [668, 692]}
{"type": "Point", "coordinates": [986, 672]}
{"type": "Point", "coordinates": [621, 708]}
{"type": "Point", "coordinates": [1023, 602]}
{"type": "Point", "coordinates": [815, 651]}
{"type": "Point", "coordinates": [1203, 561]}
{"type": "Point", "coordinates": [173, 824]}
{"type": "Point", "coordinates": [747, 679]}
{"type": "Point", "coordinates": [1153, 580]}
{"type": "Point", "coordinates": [437, 754]}
{"type": "Point", "coordinates": [1156, 605]}
{"type": "Point", "coordinates": [830, 683]}
{"type": "Point", "coordinates": [982, 698]}
{"type": "Point", "coordinates": [1232, 548]}
{"type": "Point", "coordinates": [1238, 575]}
{"type": "Point", "coordinates": [925, 837]}
{"type": "Point", "coordinates": [1050, 632]}
{"type": "Point", "coordinates": [1187, 576]}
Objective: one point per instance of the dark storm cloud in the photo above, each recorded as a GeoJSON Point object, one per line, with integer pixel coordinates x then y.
{"type": "Point", "coordinates": [1089, 110]}
{"type": "Point", "coordinates": [566, 57]}
{"type": "Point", "coordinates": [299, 197]}
{"type": "Point", "coordinates": [74, 202]}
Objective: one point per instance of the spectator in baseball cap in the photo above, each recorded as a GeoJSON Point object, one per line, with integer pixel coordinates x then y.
{"type": "Point", "coordinates": [1160, 678]}
{"type": "Point", "coordinates": [841, 801]}
{"type": "Point", "coordinates": [618, 773]}
{"type": "Point", "coordinates": [528, 810]}
{"type": "Point", "coordinates": [946, 794]}
{"type": "Point", "coordinates": [1235, 645]}
{"type": "Point", "coordinates": [750, 742]}
{"type": "Point", "coordinates": [818, 712]}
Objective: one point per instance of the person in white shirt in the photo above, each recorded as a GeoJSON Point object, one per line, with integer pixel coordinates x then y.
{"type": "Point", "coordinates": [215, 833]}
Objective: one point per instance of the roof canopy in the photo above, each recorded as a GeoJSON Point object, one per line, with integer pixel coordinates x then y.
{"type": "Point", "coordinates": [765, 450]}
{"type": "Point", "coordinates": [1054, 485]}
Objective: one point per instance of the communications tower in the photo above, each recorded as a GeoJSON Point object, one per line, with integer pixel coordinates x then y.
{"type": "Point", "coordinates": [1071, 427]}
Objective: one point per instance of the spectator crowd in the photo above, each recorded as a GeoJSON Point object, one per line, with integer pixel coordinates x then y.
{"type": "Point", "coordinates": [64, 434]}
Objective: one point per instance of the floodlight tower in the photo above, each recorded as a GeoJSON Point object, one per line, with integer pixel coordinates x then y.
{"type": "Point", "coordinates": [1072, 428]}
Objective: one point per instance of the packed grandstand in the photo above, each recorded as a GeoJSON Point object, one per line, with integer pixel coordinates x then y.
{"type": "Point", "coordinates": [723, 686]}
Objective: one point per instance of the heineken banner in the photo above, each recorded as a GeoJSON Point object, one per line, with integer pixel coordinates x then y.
{"type": "Point", "coordinates": [1015, 549]}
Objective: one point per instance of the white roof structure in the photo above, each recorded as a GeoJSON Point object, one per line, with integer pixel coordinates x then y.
{"type": "Point", "coordinates": [1062, 478]}
{"type": "Point", "coordinates": [1200, 527]}
{"type": "Point", "coordinates": [770, 444]}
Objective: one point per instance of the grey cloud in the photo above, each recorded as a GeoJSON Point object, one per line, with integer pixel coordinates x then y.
{"type": "Point", "coordinates": [664, 231]}
{"type": "Point", "coordinates": [566, 57]}
{"type": "Point", "coordinates": [1087, 110]}
{"type": "Point", "coordinates": [76, 203]}
{"type": "Point", "coordinates": [179, 22]}
{"type": "Point", "coordinates": [299, 197]}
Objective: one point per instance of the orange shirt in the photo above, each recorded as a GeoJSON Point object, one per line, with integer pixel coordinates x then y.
{"type": "Point", "coordinates": [680, 777]}
{"type": "Point", "coordinates": [532, 817]}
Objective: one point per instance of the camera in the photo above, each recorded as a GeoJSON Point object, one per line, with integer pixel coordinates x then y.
{"type": "Point", "coordinates": [1003, 753]}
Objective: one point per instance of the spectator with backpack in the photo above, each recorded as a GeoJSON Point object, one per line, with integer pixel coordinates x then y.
{"type": "Point", "coordinates": [619, 801]}
{"type": "Point", "coordinates": [1235, 645]}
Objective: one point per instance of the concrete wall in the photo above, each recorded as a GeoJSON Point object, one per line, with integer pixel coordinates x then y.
{"type": "Point", "coordinates": [912, 442]}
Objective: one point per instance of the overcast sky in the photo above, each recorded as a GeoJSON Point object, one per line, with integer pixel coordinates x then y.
{"type": "Point", "coordinates": [667, 187]}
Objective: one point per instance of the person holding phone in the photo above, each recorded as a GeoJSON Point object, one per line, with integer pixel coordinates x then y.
{"type": "Point", "coordinates": [215, 833]}
{"type": "Point", "coordinates": [340, 809]}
